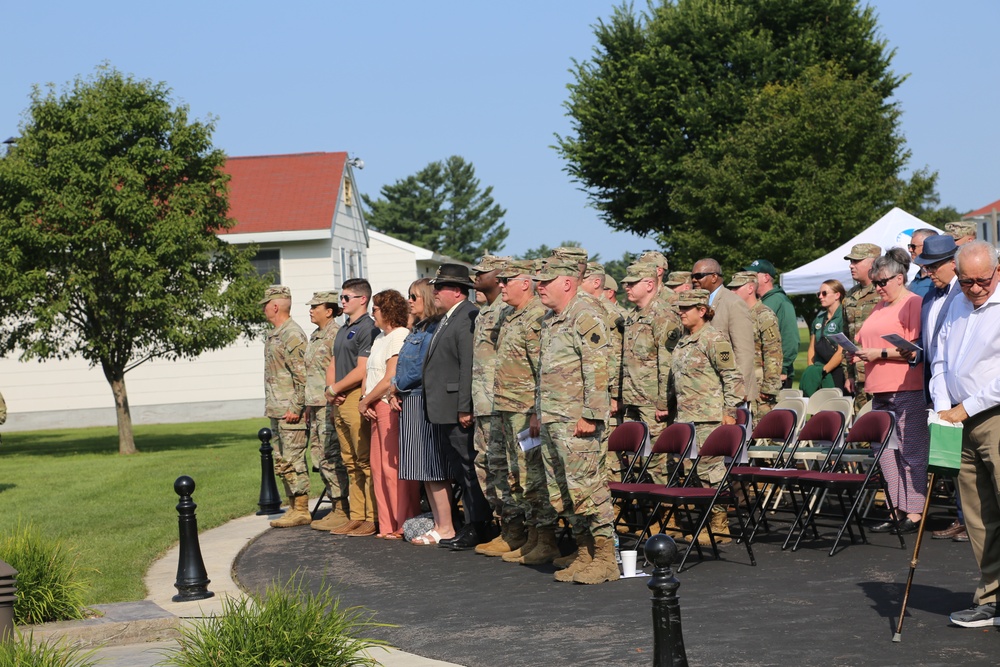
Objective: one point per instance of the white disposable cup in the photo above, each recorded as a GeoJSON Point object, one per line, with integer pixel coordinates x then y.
{"type": "Point", "coordinates": [628, 563]}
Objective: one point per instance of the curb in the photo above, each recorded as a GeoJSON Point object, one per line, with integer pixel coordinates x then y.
{"type": "Point", "coordinates": [121, 623]}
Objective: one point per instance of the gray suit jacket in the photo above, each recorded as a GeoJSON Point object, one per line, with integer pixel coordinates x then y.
{"type": "Point", "coordinates": [448, 367]}
{"type": "Point", "coordinates": [732, 317]}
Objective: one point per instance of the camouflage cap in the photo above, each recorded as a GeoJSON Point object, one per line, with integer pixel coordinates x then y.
{"type": "Point", "coordinates": [572, 254]}
{"type": "Point", "coordinates": [655, 257]}
{"type": "Point", "coordinates": [639, 271]}
{"type": "Point", "coordinates": [678, 278]}
{"type": "Point", "coordinates": [275, 292]}
{"type": "Point", "coordinates": [326, 296]}
{"type": "Point", "coordinates": [489, 263]}
{"type": "Point", "coordinates": [693, 297]}
{"type": "Point", "coordinates": [863, 251]}
{"type": "Point", "coordinates": [741, 278]}
{"type": "Point", "coordinates": [555, 266]}
{"type": "Point", "coordinates": [594, 269]}
{"type": "Point", "coordinates": [517, 267]}
{"type": "Point", "coordinates": [762, 266]}
{"type": "Point", "coordinates": [609, 283]}
{"type": "Point", "coordinates": [960, 229]}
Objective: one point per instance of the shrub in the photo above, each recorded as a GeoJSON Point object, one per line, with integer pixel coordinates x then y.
{"type": "Point", "coordinates": [49, 587]}
{"type": "Point", "coordinates": [288, 625]}
{"type": "Point", "coordinates": [22, 651]}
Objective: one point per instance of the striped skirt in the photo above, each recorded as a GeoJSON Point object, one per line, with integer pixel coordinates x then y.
{"type": "Point", "coordinates": [905, 469]}
{"type": "Point", "coordinates": [420, 455]}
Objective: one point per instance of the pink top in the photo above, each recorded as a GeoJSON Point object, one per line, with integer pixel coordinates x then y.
{"type": "Point", "coordinates": [885, 375]}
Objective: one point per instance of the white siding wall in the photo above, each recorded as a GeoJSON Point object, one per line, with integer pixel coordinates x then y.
{"type": "Point", "coordinates": [390, 267]}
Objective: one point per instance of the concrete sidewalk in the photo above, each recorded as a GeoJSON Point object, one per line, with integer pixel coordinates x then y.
{"type": "Point", "coordinates": [139, 634]}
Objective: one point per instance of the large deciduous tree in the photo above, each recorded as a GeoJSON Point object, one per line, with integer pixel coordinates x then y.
{"type": "Point", "coordinates": [443, 208]}
{"type": "Point", "coordinates": [779, 108]}
{"type": "Point", "coordinates": [109, 206]}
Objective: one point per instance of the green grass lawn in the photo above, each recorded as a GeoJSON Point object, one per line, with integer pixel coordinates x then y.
{"type": "Point", "coordinates": [800, 361]}
{"type": "Point", "coordinates": [118, 513]}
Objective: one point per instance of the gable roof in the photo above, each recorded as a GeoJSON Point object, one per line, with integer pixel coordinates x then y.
{"type": "Point", "coordinates": [986, 210]}
{"type": "Point", "coordinates": [282, 193]}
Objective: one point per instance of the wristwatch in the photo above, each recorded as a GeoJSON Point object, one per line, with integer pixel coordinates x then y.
{"type": "Point", "coordinates": [885, 353]}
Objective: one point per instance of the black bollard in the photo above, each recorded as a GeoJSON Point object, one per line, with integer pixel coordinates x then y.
{"type": "Point", "coordinates": [668, 641]}
{"type": "Point", "coordinates": [192, 579]}
{"type": "Point", "coordinates": [270, 501]}
{"type": "Point", "coordinates": [8, 594]}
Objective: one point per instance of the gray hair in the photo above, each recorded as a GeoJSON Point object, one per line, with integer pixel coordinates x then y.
{"type": "Point", "coordinates": [922, 233]}
{"type": "Point", "coordinates": [895, 262]}
{"type": "Point", "coordinates": [973, 248]}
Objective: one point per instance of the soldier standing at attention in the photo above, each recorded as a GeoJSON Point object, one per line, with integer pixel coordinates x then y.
{"type": "Point", "coordinates": [592, 286]}
{"type": "Point", "coordinates": [492, 480]}
{"type": "Point", "coordinates": [657, 259]}
{"type": "Point", "coordinates": [651, 334]}
{"type": "Point", "coordinates": [775, 298]}
{"type": "Point", "coordinates": [679, 281]}
{"type": "Point", "coordinates": [284, 402]}
{"type": "Point", "coordinates": [767, 341]}
{"type": "Point", "coordinates": [572, 404]}
{"type": "Point", "coordinates": [858, 305]}
{"type": "Point", "coordinates": [962, 231]}
{"type": "Point", "coordinates": [324, 446]}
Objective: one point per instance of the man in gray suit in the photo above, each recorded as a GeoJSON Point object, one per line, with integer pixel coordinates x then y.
{"type": "Point", "coordinates": [732, 318]}
{"type": "Point", "coordinates": [447, 382]}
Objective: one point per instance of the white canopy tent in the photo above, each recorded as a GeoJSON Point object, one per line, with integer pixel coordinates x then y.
{"type": "Point", "coordinates": [891, 230]}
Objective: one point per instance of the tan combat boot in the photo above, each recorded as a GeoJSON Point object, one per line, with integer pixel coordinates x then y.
{"type": "Point", "coordinates": [584, 554]}
{"type": "Point", "coordinates": [515, 555]}
{"type": "Point", "coordinates": [719, 524]}
{"type": "Point", "coordinates": [603, 567]}
{"type": "Point", "coordinates": [673, 528]}
{"type": "Point", "coordinates": [563, 562]}
{"type": "Point", "coordinates": [545, 551]}
{"type": "Point", "coordinates": [297, 514]}
{"type": "Point", "coordinates": [336, 517]}
{"type": "Point", "coordinates": [511, 537]}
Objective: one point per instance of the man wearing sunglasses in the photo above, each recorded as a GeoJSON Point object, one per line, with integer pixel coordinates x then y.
{"type": "Point", "coordinates": [921, 283]}
{"type": "Point", "coordinates": [965, 387]}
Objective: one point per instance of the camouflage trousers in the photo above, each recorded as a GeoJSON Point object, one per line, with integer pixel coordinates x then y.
{"type": "Point", "coordinates": [660, 466]}
{"type": "Point", "coordinates": [578, 486]}
{"type": "Point", "coordinates": [492, 482]}
{"type": "Point", "coordinates": [529, 494]}
{"type": "Point", "coordinates": [761, 408]}
{"type": "Point", "coordinates": [289, 446]}
{"type": "Point", "coordinates": [712, 469]}
{"type": "Point", "coordinates": [324, 450]}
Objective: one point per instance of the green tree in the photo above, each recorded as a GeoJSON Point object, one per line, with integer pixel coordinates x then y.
{"type": "Point", "coordinates": [109, 206]}
{"type": "Point", "coordinates": [443, 208]}
{"type": "Point", "coordinates": [667, 94]}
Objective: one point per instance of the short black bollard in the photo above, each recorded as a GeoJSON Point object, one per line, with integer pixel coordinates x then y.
{"type": "Point", "coordinates": [668, 641]}
{"type": "Point", "coordinates": [8, 593]}
{"type": "Point", "coordinates": [270, 501]}
{"type": "Point", "coordinates": [192, 579]}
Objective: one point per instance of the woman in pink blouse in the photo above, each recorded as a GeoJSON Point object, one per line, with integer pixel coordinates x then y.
{"type": "Point", "coordinates": [897, 387]}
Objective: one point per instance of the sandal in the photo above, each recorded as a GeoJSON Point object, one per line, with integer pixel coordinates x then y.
{"type": "Point", "coordinates": [392, 536]}
{"type": "Point", "coordinates": [429, 538]}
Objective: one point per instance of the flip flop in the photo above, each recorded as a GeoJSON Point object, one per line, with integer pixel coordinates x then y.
{"type": "Point", "coordinates": [392, 536]}
{"type": "Point", "coordinates": [429, 538]}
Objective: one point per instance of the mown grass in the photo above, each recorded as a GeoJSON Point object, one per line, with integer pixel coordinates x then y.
{"type": "Point", "coordinates": [117, 514]}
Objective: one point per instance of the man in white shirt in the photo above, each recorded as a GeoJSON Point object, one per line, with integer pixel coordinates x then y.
{"type": "Point", "coordinates": [965, 388]}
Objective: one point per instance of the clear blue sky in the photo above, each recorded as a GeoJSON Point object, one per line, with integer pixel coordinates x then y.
{"type": "Point", "coordinates": [400, 84]}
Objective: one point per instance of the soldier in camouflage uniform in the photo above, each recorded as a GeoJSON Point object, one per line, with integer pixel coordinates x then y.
{"type": "Point", "coordinates": [657, 259]}
{"type": "Point", "coordinates": [284, 402]}
{"type": "Point", "coordinates": [705, 385]}
{"type": "Point", "coordinates": [858, 305]}
{"type": "Point", "coordinates": [572, 404]}
{"type": "Point", "coordinates": [592, 287]}
{"type": "Point", "coordinates": [651, 334]}
{"type": "Point", "coordinates": [767, 342]}
{"type": "Point", "coordinates": [679, 281]}
{"type": "Point", "coordinates": [493, 482]}
{"type": "Point", "coordinates": [324, 445]}
{"type": "Point", "coordinates": [962, 231]}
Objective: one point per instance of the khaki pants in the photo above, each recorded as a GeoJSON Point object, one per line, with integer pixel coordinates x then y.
{"type": "Point", "coordinates": [354, 432]}
{"type": "Point", "coordinates": [979, 486]}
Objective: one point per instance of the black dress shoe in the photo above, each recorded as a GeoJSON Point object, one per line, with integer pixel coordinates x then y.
{"type": "Point", "coordinates": [469, 540]}
{"type": "Point", "coordinates": [884, 527]}
{"type": "Point", "coordinates": [906, 526]}
{"type": "Point", "coordinates": [446, 543]}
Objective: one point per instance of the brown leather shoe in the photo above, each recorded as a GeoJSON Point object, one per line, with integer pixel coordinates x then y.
{"type": "Point", "coordinates": [363, 529]}
{"type": "Point", "coordinates": [950, 532]}
{"type": "Point", "coordinates": [346, 528]}
{"type": "Point", "coordinates": [961, 537]}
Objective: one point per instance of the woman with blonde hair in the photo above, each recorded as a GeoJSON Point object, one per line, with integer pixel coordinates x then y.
{"type": "Point", "coordinates": [824, 356]}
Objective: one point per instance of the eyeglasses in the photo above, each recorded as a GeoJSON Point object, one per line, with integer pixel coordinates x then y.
{"type": "Point", "coordinates": [504, 281]}
{"type": "Point", "coordinates": [699, 276]}
{"type": "Point", "coordinates": [884, 281]}
{"type": "Point", "coordinates": [414, 297]}
{"type": "Point", "coordinates": [913, 248]}
{"type": "Point", "coordinates": [348, 297]}
{"type": "Point", "coordinates": [823, 293]}
{"type": "Point", "coordinates": [982, 282]}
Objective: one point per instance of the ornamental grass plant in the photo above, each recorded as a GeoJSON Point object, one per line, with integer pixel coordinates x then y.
{"type": "Point", "coordinates": [50, 586]}
{"type": "Point", "coordinates": [287, 625]}
{"type": "Point", "coordinates": [24, 651]}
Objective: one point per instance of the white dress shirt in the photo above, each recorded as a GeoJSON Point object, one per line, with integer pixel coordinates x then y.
{"type": "Point", "coordinates": [966, 366]}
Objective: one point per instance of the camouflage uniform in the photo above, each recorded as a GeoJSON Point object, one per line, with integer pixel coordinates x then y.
{"type": "Point", "coordinates": [324, 445]}
{"type": "Point", "coordinates": [767, 339]}
{"type": "Point", "coordinates": [858, 305]}
{"type": "Point", "coordinates": [572, 385]}
{"type": "Point", "coordinates": [518, 349]}
{"type": "Point", "coordinates": [284, 391]}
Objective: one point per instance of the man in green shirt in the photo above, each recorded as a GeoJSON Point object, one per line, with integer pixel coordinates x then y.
{"type": "Point", "coordinates": [775, 298]}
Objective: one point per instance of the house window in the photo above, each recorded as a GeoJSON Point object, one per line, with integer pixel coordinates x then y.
{"type": "Point", "coordinates": [267, 263]}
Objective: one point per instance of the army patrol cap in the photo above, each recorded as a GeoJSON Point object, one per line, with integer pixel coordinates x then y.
{"type": "Point", "coordinates": [594, 269]}
{"type": "Point", "coordinates": [960, 229]}
{"type": "Point", "coordinates": [610, 283]}
{"type": "Point", "coordinates": [275, 292]}
{"type": "Point", "coordinates": [578, 255]}
{"type": "Point", "coordinates": [639, 271]}
{"type": "Point", "coordinates": [654, 257]}
{"type": "Point", "coordinates": [762, 266]}
{"type": "Point", "coordinates": [693, 297]}
{"type": "Point", "coordinates": [741, 278]}
{"type": "Point", "coordinates": [327, 296]}
{"type": "Point", "coordinates": [517, 267]}
{"type": "Point", "coordinates": [489, 263]}
{"type": "Point", "coordinates": [555, 266]}
{"type": "Point", "coordinates": [863, 251]}
{"type": "Point", "coordinates": [678, 278]}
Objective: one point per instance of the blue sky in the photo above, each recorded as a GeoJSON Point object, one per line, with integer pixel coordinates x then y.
{"type": "Point", "coordinates": [400, 84]}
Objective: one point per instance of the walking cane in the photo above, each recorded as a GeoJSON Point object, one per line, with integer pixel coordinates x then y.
{"type": "Point", "coordinates": [913, 562]}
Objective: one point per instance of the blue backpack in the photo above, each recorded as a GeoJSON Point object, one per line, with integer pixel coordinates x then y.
{"type": "Point", "coordinates": [410, 363]}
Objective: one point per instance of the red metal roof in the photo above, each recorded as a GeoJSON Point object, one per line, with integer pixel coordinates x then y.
{"type": "Point", "coordinates": [986, 210]}
{"type": "Point", "coordinates": [281, 193]}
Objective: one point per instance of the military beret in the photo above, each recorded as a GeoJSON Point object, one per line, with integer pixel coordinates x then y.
{"type": "Point", "coordinates": [275, 292]}
{"type": "Point", "coordinates": [489, 263]}
{"type": "Point", "coordinates": [863, 251]}
{"type": "Point", "coordinates": [762, 266]}
{"type": "Point", "coordinates": [741, 278]}
{"type": "Point", "coordinates": [678, 278]}
{"type": "Point", "coordinates": [655, 257]}
{"type": "Point", "coordinates": [517, 267]}
{"type": "Point", "coordinates": [693, 297]}
{"type": "Point", "coordinates": [961, 229]}
{"type": "Point", "coordinates": [326, 296]}
{"type": "Point", "coordinates": [638, 271]}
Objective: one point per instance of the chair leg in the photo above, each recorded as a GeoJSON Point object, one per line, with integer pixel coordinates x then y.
{"type": "Point", "coordinates": [327, 496]}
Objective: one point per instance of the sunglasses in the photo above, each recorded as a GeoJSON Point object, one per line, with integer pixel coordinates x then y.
{"type": "Point", "coordinates": [823, 293]}
{"type": "Point", "coordinates": [504, 281]}
{"type": "Point", "coordinates": [699, 276]}
{"type": "Point", "coordinates": [348, 297]}
{"type": "Point", "coordinates": [413, 297]}
{"type": "Point", "coordinates": [982, 282]}
{"type": "Point", "coordinates": [884, 281]}
{"type": "Point", "coordinates": [913, 248]}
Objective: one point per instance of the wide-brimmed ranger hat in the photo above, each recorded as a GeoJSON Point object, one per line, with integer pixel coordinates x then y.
{"type": "Point", "coordinates": [452, 274]}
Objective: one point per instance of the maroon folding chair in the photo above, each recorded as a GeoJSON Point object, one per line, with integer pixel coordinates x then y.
{"type": "Point", "coordinates": [874, 427]}
{"type": "Point", "coordinates": [727, 441]}
{"type": "Point", "coordinates": [626, 441]}
{"type": "Point", "coordinates": [779, 426]}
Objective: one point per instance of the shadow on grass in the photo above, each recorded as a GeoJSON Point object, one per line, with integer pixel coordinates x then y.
{"type": "Point", "coordinates": [148, 439]}
{"type": "Point", "coordinates": [4, 487]}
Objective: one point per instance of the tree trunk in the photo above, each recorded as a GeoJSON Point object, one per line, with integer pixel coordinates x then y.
{"type": "Point", "coordinates": [126, 440]}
